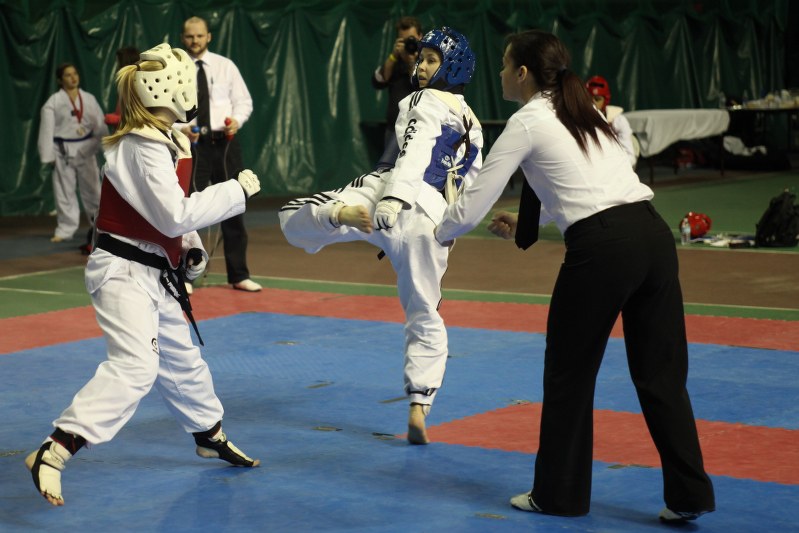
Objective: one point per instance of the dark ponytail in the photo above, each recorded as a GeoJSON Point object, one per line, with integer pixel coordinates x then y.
{"type": "Point", "coordinates": [547, 60]}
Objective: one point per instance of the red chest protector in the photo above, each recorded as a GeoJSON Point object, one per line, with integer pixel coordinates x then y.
{"type": "Point", "coordinates": [117, 216]}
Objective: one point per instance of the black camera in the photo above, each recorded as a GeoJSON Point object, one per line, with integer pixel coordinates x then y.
{"type": "Point", "coordinates": [411, 45]}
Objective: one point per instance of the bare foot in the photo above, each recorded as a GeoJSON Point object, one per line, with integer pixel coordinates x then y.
{"type": "Point", "coordinates": [356, 216]}
{"type": "Point", "coordinates": [417, 433]}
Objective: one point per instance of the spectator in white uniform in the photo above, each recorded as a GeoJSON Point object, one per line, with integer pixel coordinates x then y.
{"type": "Point", "coordinates": [71, 127]}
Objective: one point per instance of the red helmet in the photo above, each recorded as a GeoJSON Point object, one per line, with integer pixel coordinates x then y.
{"type": "Point", "coordinates": [699, 222]}
{"type": "Point", "coordinates": [598, 86]}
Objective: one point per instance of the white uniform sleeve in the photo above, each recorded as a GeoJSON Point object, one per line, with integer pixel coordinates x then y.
{"type": "Point", "coordinates": [418, 137]}
{"type": "Point", "coordinates": [47, 132]}
{"type": "Point", "coordinates": [144, 176]}
{"type": "Point", "coordinates": [625, 134]}
{"type": "Point", "coordinates": [477, 198]}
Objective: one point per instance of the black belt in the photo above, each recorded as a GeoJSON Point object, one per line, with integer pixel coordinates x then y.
{"type": "Point", "coordinates": [171, 279]}
{"type": "Point", "coordinates": [608, 216]}
{"type": "Point", "coordinates": [62, 140]}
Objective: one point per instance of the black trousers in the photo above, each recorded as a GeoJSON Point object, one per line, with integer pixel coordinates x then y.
{"type": "Point", "coordinates": [622, 260]}
{"type": "Point", "coordinates": [216, 160]}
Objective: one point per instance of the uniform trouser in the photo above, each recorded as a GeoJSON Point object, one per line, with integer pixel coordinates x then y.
{"type": "Point", "coordinates": [148, 344]}
{"type": "Point", "coordinates": [418, 260]}
{"type": "Point", "coordinates": [622, 260]}
{"type": "Point", "coordinates": [215, 162]}
{"type": "Point", "coordinates": [68, 174]}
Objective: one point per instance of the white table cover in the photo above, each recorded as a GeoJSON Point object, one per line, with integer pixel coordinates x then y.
{"type": "Point", "coordinates": [657, 129]}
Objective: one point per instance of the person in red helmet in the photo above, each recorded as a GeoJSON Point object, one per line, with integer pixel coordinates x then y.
{"type": "Point", "coordinates": [599, 90]}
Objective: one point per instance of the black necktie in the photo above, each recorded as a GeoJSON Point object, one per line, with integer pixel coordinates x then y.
{"type": "Point", "coordinates": [529, 213]}
{"type": "Point", "coordinates": [203, 108]}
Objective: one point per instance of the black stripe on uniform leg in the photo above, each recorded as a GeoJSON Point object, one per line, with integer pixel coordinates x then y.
{"type": "Point", "coordinates": [324, 197]}
{"type": "Point", "coordinates": [292, 206]}
{"type": "Point", "coordinates": [299, 202]}
{"type": "Point", "coordinates": [361, 180]}
{"type": "Point", "coordinates": [316, 199]}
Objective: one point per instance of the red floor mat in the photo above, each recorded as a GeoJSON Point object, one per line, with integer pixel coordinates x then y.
{"type": "Point", "coordinates": [33, 331]}
{"type": "Point", "coordinates": [734, 450]}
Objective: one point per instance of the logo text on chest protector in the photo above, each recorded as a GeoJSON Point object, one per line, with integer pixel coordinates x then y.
{"type": "Point", "coordinates": [409, 131]}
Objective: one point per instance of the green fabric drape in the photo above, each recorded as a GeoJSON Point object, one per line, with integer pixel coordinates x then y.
{"type": "Point", "coordinates": [307, 64]}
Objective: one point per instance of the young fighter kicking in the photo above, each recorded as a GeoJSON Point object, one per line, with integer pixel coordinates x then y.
{"type": "Point", "coordinates": [397, 209]}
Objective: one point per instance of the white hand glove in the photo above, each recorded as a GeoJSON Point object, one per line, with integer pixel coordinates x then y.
{"type": "Point", "coordinates": [386, 213]}
{"type": "Point", "coordinates": [195, 264]}
{"type": "Point", "coordinates": [249, 182]}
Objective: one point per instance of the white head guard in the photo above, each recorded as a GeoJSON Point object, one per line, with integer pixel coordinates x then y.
{"type": "Point", "coordinates": [173, 87]}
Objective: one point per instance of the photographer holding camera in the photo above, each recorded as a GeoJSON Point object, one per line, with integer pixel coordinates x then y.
{"type": "Point", "coordinates": [395, 74]}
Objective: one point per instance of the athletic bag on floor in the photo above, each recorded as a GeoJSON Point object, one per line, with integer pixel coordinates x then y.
{"type": "Point", "coordinates": [779, 225]}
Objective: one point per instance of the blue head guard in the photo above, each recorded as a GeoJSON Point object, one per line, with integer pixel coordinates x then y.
{"type": "Point", "coordinates": [457, 65]}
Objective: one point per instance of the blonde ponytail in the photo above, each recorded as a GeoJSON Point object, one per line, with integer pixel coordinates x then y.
{"type": "Point", "coordinates": [134, 114]}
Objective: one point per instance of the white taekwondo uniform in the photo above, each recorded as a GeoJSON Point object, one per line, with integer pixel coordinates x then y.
{"type": "Point", "coordinates": [144, 204]}
{"type": "Point", "coordinates": [429, 122]}
{"type": "Point", "coordinates": [69, 136]}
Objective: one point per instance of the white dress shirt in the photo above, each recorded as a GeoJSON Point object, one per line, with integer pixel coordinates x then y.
{"type": "Point", "coordinates": [227, 93]}
{"type": "Point", "coordinates": [571, 185]}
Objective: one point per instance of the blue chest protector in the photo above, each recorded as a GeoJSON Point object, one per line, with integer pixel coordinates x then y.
{"type": "Point", "coordinates": [444, 157]}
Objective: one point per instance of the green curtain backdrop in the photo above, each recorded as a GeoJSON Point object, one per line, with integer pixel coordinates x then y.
{"type": "Point", "coordinates": [307, 64]}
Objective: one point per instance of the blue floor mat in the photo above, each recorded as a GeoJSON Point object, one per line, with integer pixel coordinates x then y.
{"type": "Point", "coordinates": [318, 399]}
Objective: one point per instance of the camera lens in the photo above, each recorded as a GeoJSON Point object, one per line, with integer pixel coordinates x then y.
{"type": "Point", "coordinates": [411, 45]}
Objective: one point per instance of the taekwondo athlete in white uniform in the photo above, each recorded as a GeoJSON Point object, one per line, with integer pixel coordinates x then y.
{"type": "Point", "coordinates": [397, 209]}
{"type": "Point", "coordinates": [147, 241]}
